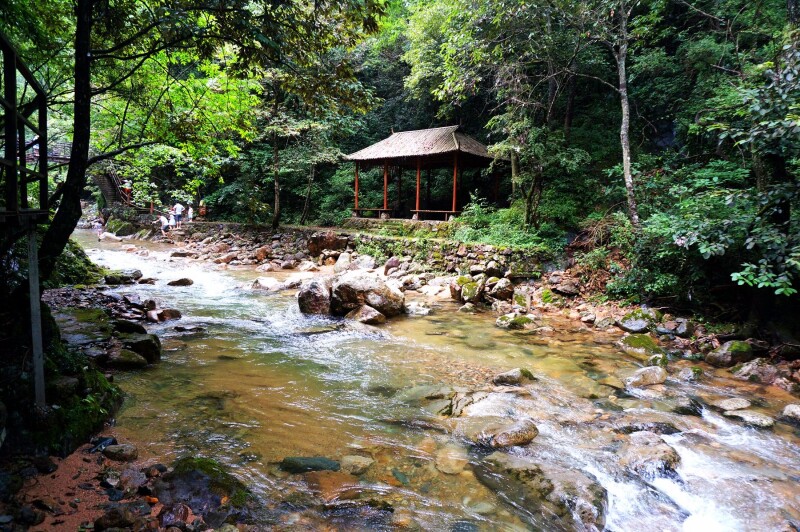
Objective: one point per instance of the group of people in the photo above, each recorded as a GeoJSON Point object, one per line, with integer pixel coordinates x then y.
{"type": "Point", "coordinates": [175, 218]}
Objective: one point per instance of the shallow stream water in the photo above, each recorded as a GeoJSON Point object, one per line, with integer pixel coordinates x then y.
{"type": "Point", "coordinates": [262, 382]}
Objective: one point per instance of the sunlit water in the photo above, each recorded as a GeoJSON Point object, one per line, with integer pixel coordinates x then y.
{"type": "Point", "coordinates": [263, 382]}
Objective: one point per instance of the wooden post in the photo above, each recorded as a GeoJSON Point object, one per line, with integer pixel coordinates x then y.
{"type": "Point", "coordinates": [356, 186]}
{"type": "Point", "coordinates": [419, 173]}
{"type": "Point", "coordinates": [399, 187]}
{"type": "Point", "coordinates": [36, 316]}
{"type": "Point", "coordinates": [428, 190]}
{"type": "Point", "coordinates": [455, 179]}
{"type": "Point", "coordinates": [10, 129]}
{"type": "Point", "coordinates": [386, 184]}
{"type": "Point", "coordinates": [43, 165]}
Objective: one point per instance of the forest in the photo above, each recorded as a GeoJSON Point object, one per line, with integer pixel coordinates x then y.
{"type": "Point", "coordinates": [654, 141]}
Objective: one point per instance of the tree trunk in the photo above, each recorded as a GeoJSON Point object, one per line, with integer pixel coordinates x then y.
{"type": "Point", "coordinates": [311, 177]}
{"type": "Point", "coordinates": [624, 130]}
{"type": "Point", "coordinates": [69, 210]}
{"type": "Point", "coordinates": [570, 110]}
{"type": "Point", "coordinates": [514, 175]}
{"type": "Point", "coordinates": [276, 213]}
{"type": "Point", "coordinates": [793, 11]}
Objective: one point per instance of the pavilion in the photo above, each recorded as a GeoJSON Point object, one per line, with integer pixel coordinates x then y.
{"type": "Point", "coordinates": [440, 147]}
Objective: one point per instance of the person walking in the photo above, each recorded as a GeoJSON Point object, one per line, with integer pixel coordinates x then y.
{"type": "Point", "coordinates": [173, 223]}
{"type": "Point", "coordinates": [178, 208]}
{"type": "Point", "coordinates": [164, 224]}
{"type": "Point", "coordinates": [189, 214]}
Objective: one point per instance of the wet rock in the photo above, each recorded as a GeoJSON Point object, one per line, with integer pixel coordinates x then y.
{"type": "Point", "coordinates": [115, 518]}
{"type": "Point", "coordinates": [759, 370]}
{"type": "Point", "coordinates": [365, 262]}
{"type": "Point", "coordinates": [125, 452]}
{"type": "Point", "coordinates": [308, 266]}
{"type": "Point", "coordinates": [265, 283]}
{"type": "Point", "coordinates": [640, 345]}
{"type": "Point", "coordinates": [366, 314]}
{"type": "Point", "coordinates": [791, 414]}
{"type": "Point", "coordinates": [125, 359]}
{"type": "Point", "coordinates": [184, 281]}
{"type": "Point", "coordinates": [502, 290]}
{"type": "Point", "coordinates": [304, 464]}
{"type": "Point", "coordinates": [416, 308]}
{"type": "Point", "coordinates": [177, 516]}
{"type": "Point", "coordinates": [263, 253]}
{"type": "Point", "coordinates": [514, 321]}
{"type": "Point", "coordinates": [152, 316]}
{"type": "Point", "coordinates": [288, 265]}
{"type": "Point", "coordinates": [515, 377]}
{"type": "Point", "coordinates": [451, 459]}
{"type": "Point", "coordinates": [494, 432]}
{"type": "Point", "coordinates": [692, 374]}
{"type": "Point", "coordinates": [356, 465]}
{"type": "Point", "coordinates": [730, 353]}
{"type": "Point", "coordinates": [166, 314]}
{"type": "Point", "coordinates": [127, 326]}
{"type": "Point", "coordinates": [734, 403]}
{"type": "Point", "coordinates": [647, 455]}
{"type": "Point", "coordinates": [603, 323]}
{"type": "Point", "coordinates": [123, 277]}
{"type": "Point", "coordinates": [314, 296]}
{"type": "Point", "coordinates": [567, 287]}
{"type": "Point", "coordinates": [751, 418]}
{"type": "Point", "coordinates": [687, 406]}
{"type": "Point", "coordinates": [468, 308]}
{"type": "Point", "coordinates": [647, 377]}
{"type": "Point", "coordinates": [354, 289]}
{"type": "Point", "coordinates": [638, 321]}
{"type": "Point", "coordinates": [680, 327]}
{"type": "Point", "coordinates": [553, 497]}
{"type": "Point", "coordinates": [146, 345]}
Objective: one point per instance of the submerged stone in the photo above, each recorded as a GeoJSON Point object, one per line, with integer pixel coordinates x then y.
{"type": "Point", "coordinates": [304, 464]}
{"type": "Point", "coordinates": [647, 377]}
{"type": "Point", "coordinates": [515, 377]}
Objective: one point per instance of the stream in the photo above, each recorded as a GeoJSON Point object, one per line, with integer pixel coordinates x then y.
{"type": "Point", "coordinates": [262, 382]}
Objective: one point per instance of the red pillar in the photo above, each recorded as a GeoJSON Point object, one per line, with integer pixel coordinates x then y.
{"type": "Point", "coordinates": [356, 186]}
{"type": "Point", "coordinates": [386, 185]}
{"type": "Point", "coordinates": [419, 172]}
{"type": "Point", "coordinates": [455, 179]}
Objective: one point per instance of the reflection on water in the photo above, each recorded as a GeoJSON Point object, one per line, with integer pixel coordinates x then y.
{"type": "Point", "coordinates": [261, 382]}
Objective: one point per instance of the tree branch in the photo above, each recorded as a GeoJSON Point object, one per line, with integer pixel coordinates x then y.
{"type": "Point", "coordinates": [112, 154]}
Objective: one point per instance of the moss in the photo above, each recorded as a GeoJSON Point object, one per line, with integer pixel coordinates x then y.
{"type": "Point", "coordinates": [547, 296]}
{"type": "Point", "coordinates": [641, 344]}
{"type": "Point", "coordinates": [469, 291]}
{"type": "Point", "coordinates": [463, 279]}
{"type": "Point", "coordinates": [527, 374]}
{"type": "Point", "coordinates": [74, 267]}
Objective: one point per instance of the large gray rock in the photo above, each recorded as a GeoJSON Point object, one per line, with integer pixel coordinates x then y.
{"type": "Point", "coordinates": [647, 455]}
{"type": "Point", "coordinates": [751, 418]}
{"type": "Point", "coordinates": [356, 288]}
{"type": "Point", "coordinates": [638, 321]}
{"type": "Point", "coordinates": [647, 377]}
{"type": "Point", "coordinates": [503, 290]}
{"type": "Point", "coordinates": [731, 353]}
{"type": "Point", "coordinates": [125, 452]}
{"type": "Point", "coordinates": [314, 296]}
{"type": "Point", "coordinates": [365, 262]}
{"type": "Point", "coordinates": [343, 263]}
{"type": "Point", "coordinates": [123, 277]}
{"type": "Point", "coordinates": [550, 496]}
{"type": "Point", "coordinates": [125, 359]}
{"type": "Point", "coordinates": [791, 414]}
{"type": "Point", "coordinates": [366, 314]}
{"type": "Point", "coordinates": [515, 377]}
{"type": "Point", "coordinates": [325, 240]}
{"type": "Point", "coordinates": [497, 432]}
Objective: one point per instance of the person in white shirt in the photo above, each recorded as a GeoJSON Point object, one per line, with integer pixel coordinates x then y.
{"type": "Point", "coordinates": [164, 224]}
{"type": "Point", "coordinates": [178, 208]}
{"type": "Point", "coordinates": [189, 214]}
{"type": "Point", "coordinates": [172, 222]}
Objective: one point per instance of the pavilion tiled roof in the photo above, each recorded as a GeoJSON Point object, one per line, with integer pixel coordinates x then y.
{"type": "Point", "coordinates": [420, 143]}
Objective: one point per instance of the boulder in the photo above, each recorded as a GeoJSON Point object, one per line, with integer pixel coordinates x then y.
{"type": "Point", "coordinates": [638, 321]}
{"type": "Point", "coordinates": [343, 263]}
{"type": "Point", "coordinates": [392, 263]}
{"type": "Point", "coordinates": [416, 308]}
{"type": "Point", "coordinates": [116, 518]}
{"type": "Point", "coordinates": [552, 496]}
{"type": "Point", "coordinates": [647, 455]}
{"type": "Point", "coordinates": [123, 277]}
{"type": "Point", "coordinates": [124, 452]}
{"type": "Point", "coordinates": [692, 374]}
{"type": "Point", "coordinates": [567, 287]}
{"type": "Point", "coordinates": [732, 403]}
{"type": "Point", "coordinates": [365, 262]}
{"type": "Point", "coordinates": [494, 269]}
{"type": "Point", "coordinates": [227, 258]}
{"type": "Point", "coordinates": [314, 296]}
{"type": "Point", "coordinates": [502, 290]}
{"type": "Point", "coordinates": [647, 377]}
{"type": "Point", "coordinates": [514, 321]}
{"type": "Point", "coordinates": [125, 359]}
{"type": "Point", "coordinates": [166, 314]}
{"type": "Point", "coordinates": [184, 281]}
{"type": "Point", "coordinates": [325, 240]}
{"type": "Point", "coordinates": [146, 345]}
{"type": "Point", "coordinates": [266, 284]}
{"type": "Point", "coordinates": [515, 377]}
{"type": "Point", "coordinates": [791, 414]}
{"type": "Point", "coordinates": [472, 292]}
{"type": "Point", "coordinates": [751, 418]}
{"type": "Point", "coordinates": [304, 464]}
{"type": "Point", "coordinates": [127, 326]}
{"type": "Point", "coordinates": [640, 345]}
{"type": "Point", "coordinates": [366, 314]}
{"type": "Point", "coordinates": [263, 253]}
{"type": "Point", "coordinates": [687, 406]}
{"type": "Point", "coordinates": [759, 370]}
{"type": "Point", "coordinates": [356, 288]}
{"type": "Point", "coordinates": [495, 432]}
{"type": "Point", "coordinates": [730, 353]}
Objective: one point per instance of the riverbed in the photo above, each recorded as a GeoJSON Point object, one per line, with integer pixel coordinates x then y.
{"type": "Point", "coordinates": [261, 382]}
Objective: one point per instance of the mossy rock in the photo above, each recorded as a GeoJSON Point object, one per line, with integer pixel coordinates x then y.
{"type": "Point", "coordinates": [513, 322]}
{"type": "Point", "coordinates": [463, 279]}
{"type": "Point", "coordinates": [730, 354]}
{"type": "Point", "coordinates": [639, 321]}
{"type": "Point", "coordinates": [120, 227]}
{"type": "Point", "coordinates": [641, 345]}
{"type": "Point", "coordinates": [471, 292]}
{"type": "Point", "coordinates": [73, 267]}
{"type": "Point", "coordinates": [208, 488]}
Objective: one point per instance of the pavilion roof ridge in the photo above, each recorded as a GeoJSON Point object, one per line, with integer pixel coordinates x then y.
{"type": "Point", "coordinates": [421, 143]}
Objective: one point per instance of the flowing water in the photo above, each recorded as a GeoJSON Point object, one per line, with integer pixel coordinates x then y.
{"type": "Point", "coordinates": [261, 382]}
